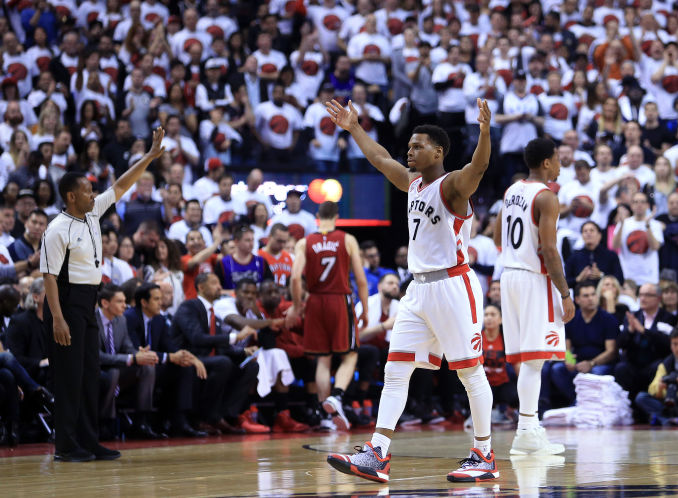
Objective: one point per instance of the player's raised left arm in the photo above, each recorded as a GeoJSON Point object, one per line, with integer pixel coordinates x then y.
{"type": "Point", "coordinates": [464, 183]}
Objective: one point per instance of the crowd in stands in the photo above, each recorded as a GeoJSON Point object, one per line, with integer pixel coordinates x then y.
{"type": "Point", "coordinates": [240, 86]}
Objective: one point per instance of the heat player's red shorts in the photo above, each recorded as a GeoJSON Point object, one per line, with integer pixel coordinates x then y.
{"type": "Point", "coordinates": [329, 325]}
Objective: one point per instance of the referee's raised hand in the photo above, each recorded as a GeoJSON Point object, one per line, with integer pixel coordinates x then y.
{"type": "Point", "coordinates": [156, 150]}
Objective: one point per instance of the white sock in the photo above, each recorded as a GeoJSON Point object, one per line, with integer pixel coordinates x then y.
{"type": "Point", "coordinates": [529, 386]}
{"type": "Point", "coordinates": [479, 398]}
{"type": "Point", "coordinates": [484, 446]}
{"type": "Point", "coordinates": [381, 441]}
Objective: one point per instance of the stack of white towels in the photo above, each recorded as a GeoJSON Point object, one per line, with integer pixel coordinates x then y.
{"type": "Point", "coordinates": [601, 402]}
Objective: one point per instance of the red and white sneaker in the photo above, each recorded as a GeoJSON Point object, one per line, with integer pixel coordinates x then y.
{"type": "Point", "coordinates": [475, 468]}
{"type": "Point", "coordinates": [285, 423]}
{"type": "Point", "coordinates": [366, 462]}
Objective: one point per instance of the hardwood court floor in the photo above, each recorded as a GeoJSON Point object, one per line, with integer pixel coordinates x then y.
{"type": "Point", "coordinates": [611, 462]}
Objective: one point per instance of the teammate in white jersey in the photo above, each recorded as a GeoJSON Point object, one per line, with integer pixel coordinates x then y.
{"type": "Point", "coordinates": [442, 310]}
{"type": "Point", "coordinates": [535, 298]}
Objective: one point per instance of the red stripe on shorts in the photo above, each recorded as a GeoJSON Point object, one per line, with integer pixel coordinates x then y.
{"type": "Point", "coordinates": [435, 360]}
{"type": "Point", "coordinates": [470, 362]}
{"type": "Point", "coordinates": [400, 356]}
{"type": "Point", "coordinates": [549, 299]}
{"type": "Point", "coordinates": [535, 355]}
{"type": "Point", "coordinates": [471, 299]}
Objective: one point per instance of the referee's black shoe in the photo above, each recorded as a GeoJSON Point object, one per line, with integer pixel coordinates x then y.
{"type": "Point", "coordinates": [103, 453]}
{"type": "Point", "coordinates": [77, 455]}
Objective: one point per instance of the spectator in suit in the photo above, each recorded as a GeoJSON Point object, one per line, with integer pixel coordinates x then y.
{"type": "Point", "coordinates": [195, 327]}
{"type": "Point", "coordinates": [123, 367]}
{"type": "Point", "coordinates": [26, 335]}
{"type": "Point", "coordinates": [592, 261]}
{"type": "Point", "coordinates": [176, 368]}
{"type": "Point", "coordinates": [644, 341]}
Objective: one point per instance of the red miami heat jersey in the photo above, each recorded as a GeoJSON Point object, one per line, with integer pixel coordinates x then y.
{"type": "Point", "coordinates": [327, 263]}
{"type": "Point", "coordinates": [438, 237]}
{"type": "Point", "coordinates": [520, 244]}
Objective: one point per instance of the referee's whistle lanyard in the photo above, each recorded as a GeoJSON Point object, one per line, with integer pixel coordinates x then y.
{"type": "Point", "coordinates": [94, 246]}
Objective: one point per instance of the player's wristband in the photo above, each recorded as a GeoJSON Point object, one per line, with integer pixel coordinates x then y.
{"type": "Point", "coordinates": [565, 296]}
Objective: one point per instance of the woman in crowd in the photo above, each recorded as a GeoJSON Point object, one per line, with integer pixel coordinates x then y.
{"type": "Point", "coordinates": [609, 292]}
{"type": "Point", "coordinates": [14, 158]}
{"type": "Point", "coordinates": [504, 389]}
{"type": "Point", "coordinates": [670, 298]}
{"type": "Point", "coordinates": [665, 183]}
{"type": "Point", "coordinates": [258, 219]}
{"type": "Point", "coordinates": [166, 266]}
{"type": "Point", "coordinates": [45, 197]}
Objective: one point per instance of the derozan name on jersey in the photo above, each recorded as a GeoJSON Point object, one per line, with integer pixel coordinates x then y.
{"type": "Point", "coordinates": [427, 211]}
{"type": "Point", "coordinates": [516, 200]}
{"type": "Point", "coordinates": [325, 245]}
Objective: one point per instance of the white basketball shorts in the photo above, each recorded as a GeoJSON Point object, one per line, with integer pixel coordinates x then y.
{"type": "Point", "coordinates": [532, 317]}
{"type": "Point", "coordinates": [441, 317]}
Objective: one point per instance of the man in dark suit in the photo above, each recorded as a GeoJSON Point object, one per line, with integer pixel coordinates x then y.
{"type": "Point", "coordinates": [176, 368]}
{"type": "Point", "coordinates": [196, 328]}
{"type": "Point", "coordinates": [123, 366]}
{"type": "Point", "coordinates": [644, 341]}
{"type": "Point", "coordinates": [27, 336]}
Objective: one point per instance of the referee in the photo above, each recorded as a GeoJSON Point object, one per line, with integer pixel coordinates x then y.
{"type": "Point", "coordinates": [71, 265]}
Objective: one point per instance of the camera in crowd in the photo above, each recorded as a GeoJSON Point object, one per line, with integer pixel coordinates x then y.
{"type": "Point", "coordinates": [671, 382]}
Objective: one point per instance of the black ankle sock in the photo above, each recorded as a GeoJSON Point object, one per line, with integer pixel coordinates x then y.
{"type": "Point", "coordinates": [337, 393]}
{"type": "Point", "coordinates": [280, 401]}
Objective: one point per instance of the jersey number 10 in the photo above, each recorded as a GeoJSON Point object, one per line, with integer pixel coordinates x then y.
{"type": "Point", "coordinates": [514, 233]}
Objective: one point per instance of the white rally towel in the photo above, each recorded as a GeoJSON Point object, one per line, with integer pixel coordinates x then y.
{"type": "Point", "coordinates": [271, 363]}
{"type": "Point", "coordinates": [601, 402]}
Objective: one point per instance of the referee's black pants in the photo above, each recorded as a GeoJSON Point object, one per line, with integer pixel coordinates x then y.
{"type": "Point", "coordinates": [75, 370]}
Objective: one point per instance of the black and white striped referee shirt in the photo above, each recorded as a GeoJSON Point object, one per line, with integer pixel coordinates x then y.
{"type": "Point", "coordinates": [71, 246]}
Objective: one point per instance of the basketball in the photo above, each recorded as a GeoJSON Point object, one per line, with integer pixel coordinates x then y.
{"type": "Point", "coordinates": [553, 187]}
{"type": "Point", "coordinates": [637, 242]}
{"type": "Point", "coordinates": [582, 206]}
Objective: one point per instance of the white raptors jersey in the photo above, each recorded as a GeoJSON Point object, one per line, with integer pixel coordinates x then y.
{"type": "Point", "coordinates": [520, 245]}
{"type": "Point", "coordinates": [438, 238]}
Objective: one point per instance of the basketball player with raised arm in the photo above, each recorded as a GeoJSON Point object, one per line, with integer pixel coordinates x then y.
{"type": "Point", "coordinates": [442, 310]}
{"type": "Point", "coordinates": [535, 298]}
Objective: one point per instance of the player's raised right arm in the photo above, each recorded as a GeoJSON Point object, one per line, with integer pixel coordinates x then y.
{"type": "Point", "coordinates": [547, 209]}
{"type": "Point", "coordinates": [347, 118]}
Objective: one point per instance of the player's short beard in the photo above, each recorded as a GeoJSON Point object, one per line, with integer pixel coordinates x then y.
{"type": "Point", "coordinates": [412, 169]}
